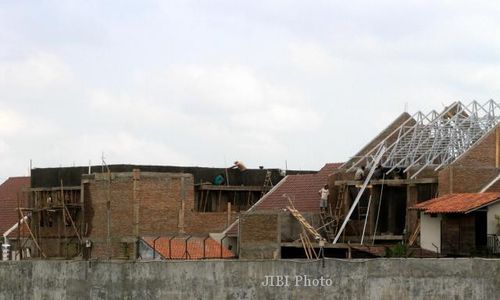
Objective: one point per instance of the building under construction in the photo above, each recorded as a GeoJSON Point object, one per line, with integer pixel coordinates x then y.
{"type": "Point", "coordinates": [110, 211]}
{"type": "Point", "coordinates": [416, 158]}
{"type": "Point", "coordinates": [121, 211]}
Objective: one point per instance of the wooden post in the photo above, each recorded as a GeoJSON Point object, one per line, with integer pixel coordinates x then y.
{"type": "Point", "coordinates": [228, 213]}
{"type": "Point", "coordinates": [64, 220]}
{"type": "Point", "coordinates": [108, 215]}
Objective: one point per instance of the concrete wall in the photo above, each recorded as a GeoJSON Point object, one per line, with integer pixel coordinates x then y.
{"type": "Point", "coordinates": [430, 232]}
{"type": "Point", "coordinates": [492, 222]}
{"type": "Point", "coordinates": [343, 279]}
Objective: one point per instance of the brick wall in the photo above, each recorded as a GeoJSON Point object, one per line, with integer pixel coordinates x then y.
{"type": "Point", "coordinates": [473, 170]}
{"type": "Point", "coordinates": [260, 235]}
{"type": "Point", "coordinates": [155, 210]}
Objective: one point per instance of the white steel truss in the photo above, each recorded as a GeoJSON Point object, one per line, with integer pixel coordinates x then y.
{"type": "Point", "coordinates": [434, 140]}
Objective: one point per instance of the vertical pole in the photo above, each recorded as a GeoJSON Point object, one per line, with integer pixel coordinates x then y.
{"type": "Point", "coordinates": [19, 228]}
{"type": "Point", "coordinates": [366, 217]}
{"type": "Point", "coordinates": [64, 220]}
{"type": "Point", "coordinates": [108, 215]}
{"type": "Point", "coordinates": [136, 178]}
{"type": "Point", "coordinates": [228, 213]}
{"type": "Point", "coordinates": [360, 193]}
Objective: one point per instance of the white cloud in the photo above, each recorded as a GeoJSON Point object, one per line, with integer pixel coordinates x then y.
{"type": "Point", "coordinates": [311, 57]}
{"type": "Point", "coordinates": [37, 71]}
{"type": "Point", "coordinates": [11, 123]}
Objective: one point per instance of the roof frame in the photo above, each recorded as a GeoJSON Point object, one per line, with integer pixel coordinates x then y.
{"type": "Point", "coordinates": [435, 140]}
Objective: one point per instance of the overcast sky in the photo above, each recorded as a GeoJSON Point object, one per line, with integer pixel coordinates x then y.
{"type": "Point", "coordinates": [208, 82]}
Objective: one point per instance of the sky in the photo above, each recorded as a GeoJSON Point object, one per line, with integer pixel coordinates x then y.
{"type": "Point", "coordinates": [204, 83]}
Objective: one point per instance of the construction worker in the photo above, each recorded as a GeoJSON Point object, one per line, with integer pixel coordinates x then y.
{"type": "Point", "coordinates": [240, 166]}
{"type": "Point", "coordinates": [360, 173]}
{"type": "Point", "coordinates": [323, 201]}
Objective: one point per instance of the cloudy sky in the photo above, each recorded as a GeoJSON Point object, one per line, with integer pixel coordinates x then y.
{"type": "Point", "coordinates": [207, 82]}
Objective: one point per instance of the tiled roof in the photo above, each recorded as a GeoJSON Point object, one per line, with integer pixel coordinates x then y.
{"type": "Point", "coordinates": [195, 245]}
{"type": "Point", "coordinates": [457, 203]}
{"type": "Point", "coordinates": [303, 190]}
{"type": "Point", "coordinates": [9, 192]}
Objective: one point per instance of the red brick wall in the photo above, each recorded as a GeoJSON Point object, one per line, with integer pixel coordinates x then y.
{"type": "Point", "coordinates": [474, 170]}
{"type": "Point", "coordinates": [260, 235]}
{"type": "Point", "coordinates": [159, 196]}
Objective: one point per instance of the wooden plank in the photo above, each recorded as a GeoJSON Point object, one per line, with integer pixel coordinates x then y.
{"type": "Point", "coordinates": [390, 182]}
{"type": "Point", "coordinates": [234, 188]}
{"type": "Point", "coordinates": [45, 189]}
{"type": "Point", "coordinates": [33, 236]}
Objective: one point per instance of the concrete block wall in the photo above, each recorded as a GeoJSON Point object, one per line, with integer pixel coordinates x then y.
{"type": "Point", "coordinates": [375, 279]}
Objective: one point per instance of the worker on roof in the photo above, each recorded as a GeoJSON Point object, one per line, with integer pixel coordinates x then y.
{"type": "Point", "coordinates": [323, 201]}
{"type": "Point", "coordinates": [240, 166]}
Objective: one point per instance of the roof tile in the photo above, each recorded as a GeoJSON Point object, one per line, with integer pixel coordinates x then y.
{"type": "Point", "coordinates": [457, 203]}
{"type": "Point", "coordinates": [302, 188]}
{"type": "Point", "coordinates": [9, 192]}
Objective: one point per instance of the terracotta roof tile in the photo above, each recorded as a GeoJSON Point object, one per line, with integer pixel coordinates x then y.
{"type": "Point", "coordinates": [194, 248]}
{"type": "Point", "coordinates": [303, 190]}
{"type": "Point", "coordinates": [9, 191]}
{"type": "Point", "coordinates": [457, 203]}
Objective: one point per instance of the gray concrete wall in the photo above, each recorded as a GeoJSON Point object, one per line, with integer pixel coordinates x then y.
{"type": "Point", "coordinates": [354, 279]}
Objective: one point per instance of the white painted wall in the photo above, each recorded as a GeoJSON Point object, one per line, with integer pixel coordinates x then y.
{"type": "Point", "coordinates": [492, 222]}
{"type": "Point", "coordinates": [430, 232]}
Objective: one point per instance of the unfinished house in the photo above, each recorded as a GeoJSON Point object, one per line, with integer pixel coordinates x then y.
{"type": "Point", "coordinates": [268, 230]}
{"type": "Point", "coordinates": [415, 159]}
{"type": "Point", "coordinates": [106, 211]}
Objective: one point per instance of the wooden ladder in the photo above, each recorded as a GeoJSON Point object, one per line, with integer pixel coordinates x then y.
{"type": "Point", "coordinates": [268, 183]}
{"type": "Point", "coordinates": [304, 223]}
{"type": "Point", "coordinates": [339, 205]}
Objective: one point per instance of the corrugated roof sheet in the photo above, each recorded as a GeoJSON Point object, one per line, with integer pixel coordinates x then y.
{"type": "Point", "coordinates": [9, 192]}
{"type": "Point", "coordinates": [457, 203]}
{"type": "Point", "coordinates": [303, 190]}
{"type": "Point", "coordinates": [176, 249]}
